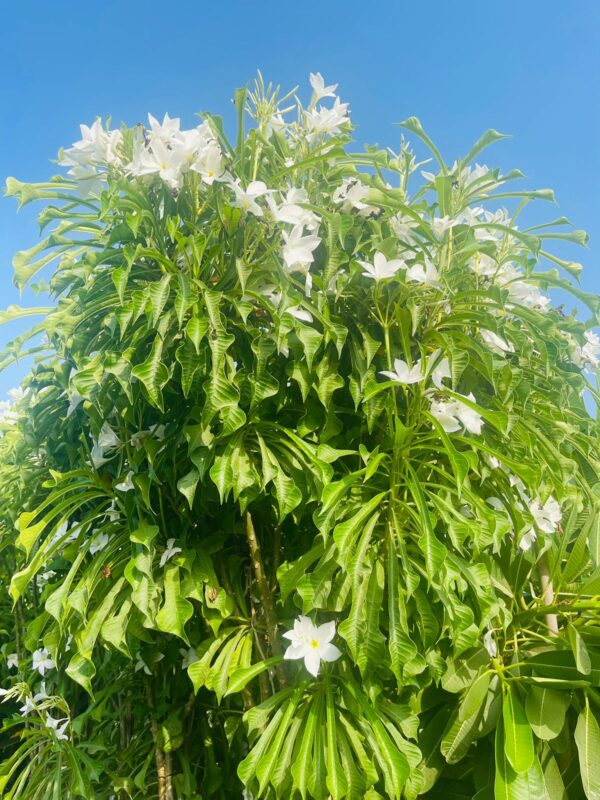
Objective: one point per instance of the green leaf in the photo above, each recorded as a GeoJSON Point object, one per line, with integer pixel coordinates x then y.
{"type": "Point", "coordinates": [176, 610]}
{"type": "Point", "coordinates": [153, 374]}
{"type": "Point", "coordinates": [546, 710]}
{"type": "Point", "coordinates": [587, 738]}
{"type": "Point", "coordinates": [518, 740]}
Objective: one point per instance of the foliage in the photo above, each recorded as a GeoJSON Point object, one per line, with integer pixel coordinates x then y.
{"type": "Point", "coordinates": [281, 378]}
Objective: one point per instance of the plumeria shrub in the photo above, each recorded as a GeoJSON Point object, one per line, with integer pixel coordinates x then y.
{"type": "Point", "coordinates": [300, 498]}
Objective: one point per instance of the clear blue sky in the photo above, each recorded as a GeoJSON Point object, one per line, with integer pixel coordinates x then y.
{"type": "Point", "coordinates": [526, 67]}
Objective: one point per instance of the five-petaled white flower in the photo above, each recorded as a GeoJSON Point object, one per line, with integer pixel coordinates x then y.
{"type": "Point", "coordinates": [496, 343]}
{"type": "Point", "coordinates": [455, 414]}
{"type": "Point", "coordinates": [126, 485]}
{"type": "Point", "coordinates": [40, 660]}
{"type": "Point", "coordinates": [58, 726]}
{"type": "Point", "coordinates": [246, 198]}
{"type": "Point", "coordinates": [382, 268]}
{"type": "Point", "coordinates": [189, 657]}
{"type": "Point", "coordinates": [547, 516]}
{"type": "Point", "coordinates": [298, 249]}
{"type": "Point", "coordinates": [403, 373]}
{"type": "Point", "coordinates": [170, 551]}
{"type": "Point", "coordinates": [99, 542]}
{"type": "Point", "coordinates": [312, 643]}
{"type": "Point", "coordinates": [489, 642]}
{"type": "Point", "coordinates": [318, 84]}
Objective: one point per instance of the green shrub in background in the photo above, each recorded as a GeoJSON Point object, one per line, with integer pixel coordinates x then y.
{"type": "Point", "coordinates": [300, 498]}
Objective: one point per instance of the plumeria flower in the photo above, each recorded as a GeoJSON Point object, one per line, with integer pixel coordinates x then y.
{"type": "Point", "coordinates": [423, 273]}
{"type": "Point", "coordinates": [299, 313]}
{"type": "Point", "coordinates": [298, 249]}
{"type": "Point", "coordinates": [291, 212]}
{"type": "Point", "coordinates": [350, 196]}
{"type": "Point", "coordinates": [482, 264]}
{"type": "Point", "coordinates": [159, 159]}
{"type": "Point", "coordinates": [189, 657]}
{"type": "Point", "coordinates": [454, 415]}
{"type": "Point", "coordinates": [127, 484]}
{"type": "Point", "coordinates": [381, 268]}
{"type": "Point", "coordinates": [547, 516]}
{"type": "Point", "coordinates": [527, 540]}
{"type": "Point", "coordinates": [99, 542]}
{"type": "Point", "coordinates": [402, 373]}
{"type": "Point", "coordinates": [312, 643]}
{"type": "Point", "coordinates": [469, 175]}
{"type": "Point", "coordinates": [320, 90]}
{"type": "Point", "coordinates": [41, 660]}
{"type": "Point", "coordinates": [442, 224]}
{"type": "Point", "coordinates": [496, 343]}
{"type": "Point", "coordinates": [209, 164]}
{"type": "Point", "coordinates": [141, 664]}
{"type": "Point", "coordinates": [12, 661]}
{"type": "Point", "coordinates": [587, 354]}
{"type": "Point", "coordinates": [489, 642]}
{"type": "Point", "coordinates": [169, 552]}
{"type": "Point", "coordinates": [246, 198]}
{"type": "Point", "coordinates": [58, 726]}
{"type": "Point", "coordinates": [326, 120]}
{"type": "Point", "coordinates": [403, 227]}
{"type": "Point", "coordinates": [440, 372]}
{"type": "Point", "coordinates": [165, 132]}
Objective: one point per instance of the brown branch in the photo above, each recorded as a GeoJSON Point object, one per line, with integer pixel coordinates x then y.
{"type": "Point", "coordinates": [266, 597]}
{"type": "Point", "coordinates": [547, 593]}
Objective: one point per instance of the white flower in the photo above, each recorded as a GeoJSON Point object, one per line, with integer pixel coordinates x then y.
{"type": "Point", "coordinates": [158, 159]}
{"type": "Point", "coordinates": [382, 268]}
{"type": "Point", "coordinates": [127, 484]}
{"type": "Point", "coordinates": [440, 372]}
{"type": "Point", "coordinates": [170, 551]}
{"type": "Point", "coordinates": [587, 354]}
{"type": "Point", "coordinates": [289, 211]}
{"type": "Point", "coordinates": [311, 643]}
{"type": "Point", "coordinates": [548, 516]}
{"type": "Point", "coordinates": [47, 576]}
{"type": "Point", "coordinates": [141, 664]}
{"type": "Point", "coordinates": [299, 313]}
{"type": "Point", "coordinates": [403, 227]}
{"type": "Point", "coordinates": [188, 657]}
{"type": "Point", "coordinates": [403, 373]}
{"type": "Point", "coordinates": [482, 264]}
{"type": "Point", "coordinates": [469, 175]}
{"type": "Point", "coordinates": [468, 417]}
{"type": "Point", "coordinates": [423, 273]}
{"type": "Point", "coordinates": [209, 163]}
{"type": "Point", "coordinates": [57, 727]}
{"type": "Point", "coordinates": [41, 661]}
{"type": "Point", "coordinates": [320, 90]}
{"type": "Point", "coordinates": [298, 249]}
{"type": "Point", "coordinates": [99, 542]}
{"type": "Point", "coordinates": [442, 224]}
{"type": "Point", "coordinates": [12, 661]}
{"type": "Point", "coordinates": [527, 540]}
{"type": "Point", "coordinates": [246, 198]}
{"type": "Point", "coordinates": [327, 120]}
{"type": "Point", "coordinates": [489, 642]}
{"type": "Point", "coordinates": [454, 415]}
{"type": "Point", "coordinates": [350, 196]}
{"type": "Point", "coordinates": [496, 343]}
{"type": "Point", "coordinates": [591, 349]}
{"type": "Point", "coordinates": [165, 132]}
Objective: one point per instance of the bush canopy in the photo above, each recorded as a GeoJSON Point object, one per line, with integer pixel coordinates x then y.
{"type": "Point", "coordinates": [300, 498]}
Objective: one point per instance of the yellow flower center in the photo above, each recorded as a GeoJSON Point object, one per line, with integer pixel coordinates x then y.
{"type": "Point", "coordinates": [314, 643]}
